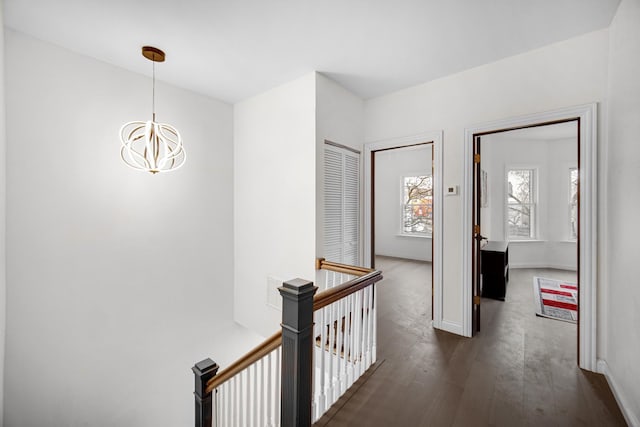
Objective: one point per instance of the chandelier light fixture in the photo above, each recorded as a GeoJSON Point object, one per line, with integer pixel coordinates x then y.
{"type": "Point", "coordinates": [150, 146]}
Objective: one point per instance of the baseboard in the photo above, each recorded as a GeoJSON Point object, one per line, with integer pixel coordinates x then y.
{"type": "Point", "coordinates": [551, 266]}
{"type": "Point", "coordinates": [630, 418]}
{"type": "Point", "coordinates": [427, 259]}
{"type": "Point", "coordinates": [454, 328]}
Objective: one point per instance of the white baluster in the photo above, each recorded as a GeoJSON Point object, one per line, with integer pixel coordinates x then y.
{"type": "Point", "coordinates": [375, 325]}
{"type": "Point", "coordinates": [253, 408]}
{"type": "Point", "coordinates": [220, 405]}
{"type": "Point", "coordinates": [345, 338]}
{"type": "Point", "coordinates": [332, 342]}
{"type": "Point", "coordinates": [235, 397]}
{"type": "Point", "coordinates": [263, 390]}
{"type": "Point", "coordinates": [227, 403]}
{"type": "Point", "coordinates": [363, 330]}
{"type": "Point", "coordinates": [350, 303]}
{"type": "Point", "coordinates": [370, 326]}
{"type": "Point", "coordinates": [278, 387]}
{"type": "Point", "coordinates": [224, 402]}
{"type": "Point", "coordinates": [323, 361]}
{"type": "Point", "coordinates": [339, 337]}
{"type": "Point", "coordinates": [246, 401]}
{"type": "Point", "coordinates": [358, 332]}
{"type": "Point", "coordinates": [365, 324]}
{"type": "Point", "coordinates": [269, 422]}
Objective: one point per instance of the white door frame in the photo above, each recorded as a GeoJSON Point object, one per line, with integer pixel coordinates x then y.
{"type": "Point", "coordinates": [587, 114]}
{"type": "Point", "coordinates": [434, 137]}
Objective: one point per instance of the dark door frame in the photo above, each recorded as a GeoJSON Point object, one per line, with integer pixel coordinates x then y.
{"type": "Point", "coordinates": [373, 203]}
{"type": "Point", "coordinates": [587, 254]}
{"type": "Point", "coordinates": [436, 139]}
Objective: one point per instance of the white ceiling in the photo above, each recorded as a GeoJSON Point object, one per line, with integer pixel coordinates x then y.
{"type": "Point", "coordinates": [234, 49]}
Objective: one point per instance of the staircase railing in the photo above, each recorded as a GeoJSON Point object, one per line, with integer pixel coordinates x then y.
{"type": "Point", "coordinates": [327, 342]}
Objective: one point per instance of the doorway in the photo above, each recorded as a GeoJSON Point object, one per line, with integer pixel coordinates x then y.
{"type": "Point", "coordinates": [527, 208]}
{"type": "Point", "coordinates": [402, 214]}
{"type": "Point", "coordinates": [584, 118]}
{"type": "Point", "coordinates": [434, 141]}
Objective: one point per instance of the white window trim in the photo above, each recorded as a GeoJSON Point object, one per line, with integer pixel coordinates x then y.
{"type": "Point", "coordinates": [536, 201]}
{"type": "Point", "coordinates": [570, 238]}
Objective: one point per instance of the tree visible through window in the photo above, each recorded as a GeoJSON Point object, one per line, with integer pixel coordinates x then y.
{"type": "Point", "coordinates": [521, 204]}
{"type": "Point", "coordinates": [573, 203]}
{"type": "Point", "coordinates": [417, 209]}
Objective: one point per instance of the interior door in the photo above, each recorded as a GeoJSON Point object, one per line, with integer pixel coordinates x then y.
{"type": "Point", "coordinates": [477, 237]}
{"type": "Point", "coordinates": [341, 205]}
{"type": "Point", "coordinates": [432, 224]}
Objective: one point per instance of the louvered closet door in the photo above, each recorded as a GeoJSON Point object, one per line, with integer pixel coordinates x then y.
{"type": "Point", "coordinates": [341, 205]}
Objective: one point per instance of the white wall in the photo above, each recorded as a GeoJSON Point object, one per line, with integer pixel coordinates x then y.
{"type": "Point", "coordinates": [390, 167]}
{"type": "Point", "coordinates": [117, 281]}
{"type": "Point", "coordinates": [623, 204]}
{"type": "Point", "coordinates": [339, 119]}
{"type": "Point", "coordinates": [552, 159]}
{"type": "Point", "coordinates": [3, 198]}
{"type": "Point", "coordinates": [568, 73]}
{"type": "Point", "coordinates": [274, 197]}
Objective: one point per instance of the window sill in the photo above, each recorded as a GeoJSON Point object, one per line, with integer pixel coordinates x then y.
{"type": "Point", "coordinates": [414, 235]}
{"type": "Point", "coordinates": [542, 241]}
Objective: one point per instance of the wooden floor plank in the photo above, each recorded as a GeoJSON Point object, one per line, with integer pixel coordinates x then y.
{"type": "Point", "coordinates": [520, 370]}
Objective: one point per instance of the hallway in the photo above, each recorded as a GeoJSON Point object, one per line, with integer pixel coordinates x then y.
{"type": "Point", "coordinates": [520, 369]}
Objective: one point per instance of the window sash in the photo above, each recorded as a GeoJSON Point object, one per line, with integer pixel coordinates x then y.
{"type": "Point", "coordinates": [573, 203]}
{"type": "Point", "coordinates": [524, 229]}
{"type": "Point", "coordinates": [416, 216]}
{"type": "Point", "coordinates": [521, 218]}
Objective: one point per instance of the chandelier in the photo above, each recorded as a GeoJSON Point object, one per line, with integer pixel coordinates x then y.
{"type": "Point", "coordinates": [150, 146]}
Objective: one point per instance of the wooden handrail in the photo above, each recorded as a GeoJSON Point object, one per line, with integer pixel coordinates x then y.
{"type": "Point", "coordinates": [245, 361]}
{"type": "Point", "coordinates": [367, 277]}
{"type": "Point", "coordinates": [323, 264]}
{"type": "Point", "coordinates": [336, 293]}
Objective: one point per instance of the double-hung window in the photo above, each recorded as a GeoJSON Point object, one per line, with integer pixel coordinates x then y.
{"type": "Point", "coordinates": [573, 203]}
{"type": "Point", "coordinates": [417, 205]}
{"type": "Point", "coordinates": [521, 204]}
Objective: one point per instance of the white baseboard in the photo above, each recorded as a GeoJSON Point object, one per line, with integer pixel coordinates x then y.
{"type": "Point", "coordinates": [454, 328]}
{"type": "Point", "coordinates": [553, 266]}
{"type": "Point", "coordinates": [630, 418]}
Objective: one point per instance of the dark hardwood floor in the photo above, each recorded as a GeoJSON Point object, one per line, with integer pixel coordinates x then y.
{"type": "Point", "coordinates": [519, 371]}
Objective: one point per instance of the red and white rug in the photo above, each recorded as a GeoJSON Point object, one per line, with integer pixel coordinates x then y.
{"type": "Point", "coordinates": [556, 299]}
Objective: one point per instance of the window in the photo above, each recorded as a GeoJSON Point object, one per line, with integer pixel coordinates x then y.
{"type": "Point", "coordinates": [417, 205]}
{"type": "Point", "coordinates": [521, 204]}
{"type": "Point", "coordinates": [573, 203]}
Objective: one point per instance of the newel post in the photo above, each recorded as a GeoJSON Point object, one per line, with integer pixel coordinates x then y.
{"type": "Point", "coordinates": [203, 372]}
{"type": "Point", "coordinates": [297, 352]}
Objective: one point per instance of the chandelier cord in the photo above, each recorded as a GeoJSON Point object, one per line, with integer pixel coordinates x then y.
{"type": "Point", "coordinates": [153, 93]}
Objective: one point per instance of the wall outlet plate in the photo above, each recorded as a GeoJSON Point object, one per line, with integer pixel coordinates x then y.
{"type": "Point", "coordinates": [451, 190]}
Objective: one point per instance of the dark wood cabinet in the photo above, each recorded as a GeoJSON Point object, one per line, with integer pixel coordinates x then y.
{"type": "Point", "coordinates": [495, 269]}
